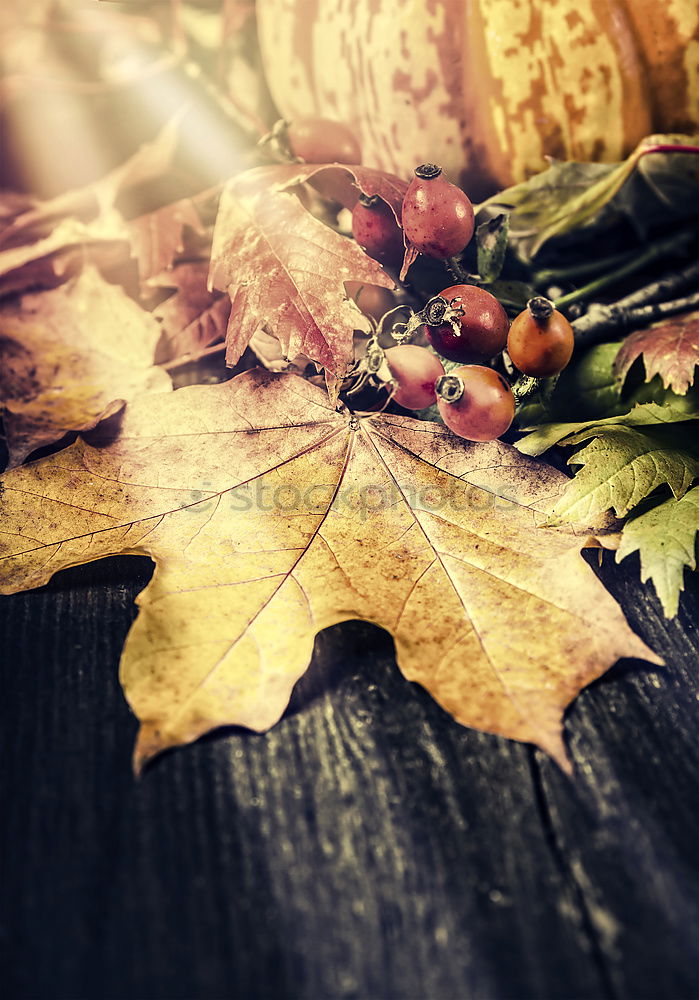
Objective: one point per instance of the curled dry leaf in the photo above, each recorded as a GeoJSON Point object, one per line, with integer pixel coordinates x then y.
{"type": "Point", "coordinates": [42, 243]}
{"type": "Point", "coordinates": [70, 357]}
{"type": "Point", "coordinates": [669, 349]}
{"type": "Point", "coordinates": [158, 237]}
{"type": "Point", "coordinates": [51, 259]}
{"type": "Point", "coordinates": [270, 516]}
{"type": "Point", "coordinates": [194, 317]}
{"type": "Point", "coordinates": [285, 270]}
{"type": "Point", "coordinates": [345, 183]}
{"type": "Point", "coordinates": [97, 200]}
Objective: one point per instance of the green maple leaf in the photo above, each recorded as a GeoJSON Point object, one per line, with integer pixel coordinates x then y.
{"type": "Point", "coordinates": [621, 467]}
{"type": "Point", "coordinates": [643, 414]}
{"type": "Point", "coordinates": [665, 538]}
{"type": "Point", "coordinates": [590, 389]}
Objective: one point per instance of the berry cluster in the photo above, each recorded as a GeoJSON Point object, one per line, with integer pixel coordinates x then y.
{"type": "Point", "coordinates": [463, 323]}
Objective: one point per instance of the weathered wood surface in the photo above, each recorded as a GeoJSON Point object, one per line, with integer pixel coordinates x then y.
{"type": "Point", "coordinates": [367, 847]}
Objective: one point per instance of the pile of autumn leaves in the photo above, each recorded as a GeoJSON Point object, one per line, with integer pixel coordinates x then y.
{"type": "Point", "coordinates": [98, 311]}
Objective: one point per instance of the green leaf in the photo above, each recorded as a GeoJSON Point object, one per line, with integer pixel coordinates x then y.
{"type": "Point", "coordinates": [647, 190]}
{"type": "Point", "coordinates": [545, 197]}
{"type": "Point", "coordinates": [491, 241]}
{"type": "Point", "coordinates": [621, 467]}
{"type": "Point", "coordinates": [512, 295]}
{"type": "Point", "coordinates": [665, 538]}
{"type": "Point", "coordinates": [546, 435]}
{"type": "Point", "coordinates": [589, 389]}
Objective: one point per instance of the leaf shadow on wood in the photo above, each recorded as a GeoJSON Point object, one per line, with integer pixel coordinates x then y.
{"type": "Point", "coordinates": [439, 824]}
{"type": "Point", "coordinates": [353, 641]}
{"type": "Point", "coordinates": [360, 653]}
{"type": "Point", "coordinates": [642, 607]}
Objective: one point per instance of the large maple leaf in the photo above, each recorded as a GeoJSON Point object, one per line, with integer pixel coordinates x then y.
{"type": "Point", "coordinates": [270, 516]}
{"type": "Point", "coordinates": [285, 270]}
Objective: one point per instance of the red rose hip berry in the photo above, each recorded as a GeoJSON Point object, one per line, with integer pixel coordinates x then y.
{"type": "Point", "coordinates": [479, 333]}
{"type": "Point", "coordinates": [437, 216]}
{"type": "Point", "coordinates": [475, 402]}
{"type": "Point", "coordinates": [375, 229]}
{"type": "Point", "coordinates": [321, 140]}
{"type": "Point", "coordinates": [372, 300]}
{"type": "Point", "coordinates": [541, 340]}
{"type": "Point", "coordinates": [415, 371]}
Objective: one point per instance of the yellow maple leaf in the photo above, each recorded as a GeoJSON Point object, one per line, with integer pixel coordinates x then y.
{"type": "Point", "coordinates": [270, 516]}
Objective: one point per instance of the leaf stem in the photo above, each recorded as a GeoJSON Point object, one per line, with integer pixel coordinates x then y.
{"type": "Point", "coordinates": [551, 275]}
{"type": "Point", "coordinates": [636, 263]}
{"type": "Point", "coordinates": [453, 266]}
{"type": "Point", "coordinates": [188, 359]}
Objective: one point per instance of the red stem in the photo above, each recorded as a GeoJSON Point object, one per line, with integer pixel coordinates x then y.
{"type": "Point", "coordinates": [669, 148]}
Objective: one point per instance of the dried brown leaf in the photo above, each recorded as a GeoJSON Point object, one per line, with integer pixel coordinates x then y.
{"type": "Point", "coordinates": [97, 200]}
{"type": "Point", "coordinates": [669, 349]}
{"type": "Point", "coordinates": [344, 183]}
{"type": "Point", "coordinates": [51, 259]}
{"type": "Point", "coordinates": [158, 237]}
{"type": "Point", "coordinates": [70, 357]}
{"type": "Point", "coordinates": [194, 317]}
{"type": "Point", "coordinates": [270, 516]}
{"type": "Point", "coordinates": [285, 271]}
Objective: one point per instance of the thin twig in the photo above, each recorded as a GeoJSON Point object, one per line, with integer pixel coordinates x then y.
{"type": "Point", "coordinates": [600, 321]}
{"type": "Point", "coordinates": [631, 266]}
{"type": "Point", "coordinates": [188, 359]}
{"type": "Point", "coordinates": [663, 289]}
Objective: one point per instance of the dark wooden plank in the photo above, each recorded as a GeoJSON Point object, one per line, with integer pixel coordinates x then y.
{"type": "Point", "coordinates": [366, 847]}
{"type": "Point", "coordinates": [633, 847]}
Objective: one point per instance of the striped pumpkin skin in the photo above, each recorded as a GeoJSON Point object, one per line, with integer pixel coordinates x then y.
{"type": "Point", "coordinates": [486, 88]}
{"type": "Point", "coordinates": [668, 36]}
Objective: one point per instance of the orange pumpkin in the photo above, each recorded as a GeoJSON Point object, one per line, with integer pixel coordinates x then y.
{"type": "Point", "coordinates": [486, 88]}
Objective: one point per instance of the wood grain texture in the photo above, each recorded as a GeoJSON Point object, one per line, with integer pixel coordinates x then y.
{"type": "Point", "coordinates": [366, 847]}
